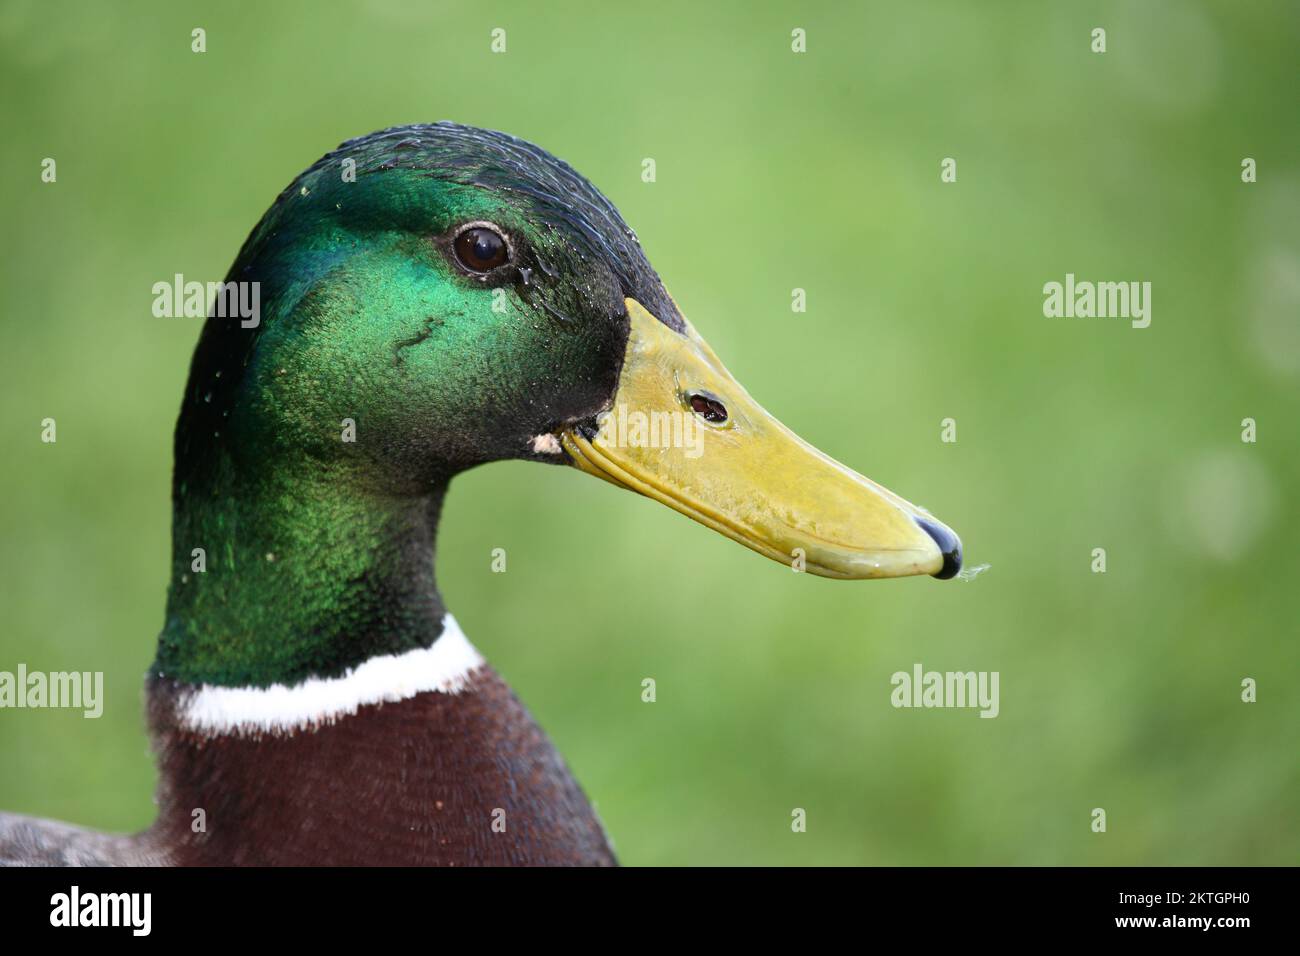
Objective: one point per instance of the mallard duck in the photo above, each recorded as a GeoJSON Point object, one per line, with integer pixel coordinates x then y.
{"type": "Point", "coordinates": [432, 298]}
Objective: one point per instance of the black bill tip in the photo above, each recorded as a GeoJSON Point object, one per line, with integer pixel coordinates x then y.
{"type": "Point", "coordinates": [949, 546]}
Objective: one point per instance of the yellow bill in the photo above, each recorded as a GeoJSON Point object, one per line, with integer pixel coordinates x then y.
{"type": "Point", "coordinates": [681, 430]}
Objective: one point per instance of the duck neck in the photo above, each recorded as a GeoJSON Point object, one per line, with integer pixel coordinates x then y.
{"type": "Point", "coordinates": [283, 573]}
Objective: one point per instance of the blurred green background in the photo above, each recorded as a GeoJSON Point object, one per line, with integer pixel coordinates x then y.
{"type": "Point", "coordinates": [775, 171]}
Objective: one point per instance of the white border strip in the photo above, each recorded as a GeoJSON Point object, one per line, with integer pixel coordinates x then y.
{"type": "Point", "coordinates": [445, 667]}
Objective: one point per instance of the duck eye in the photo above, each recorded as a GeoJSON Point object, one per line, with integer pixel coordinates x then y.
{"type": "Point", "coordinates": [481, 248]}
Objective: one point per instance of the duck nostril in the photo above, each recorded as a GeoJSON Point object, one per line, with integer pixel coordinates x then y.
{"type": "Point", "coordinates": [708, 407]}
{"type": "Point", "coordinates": [949, 546]}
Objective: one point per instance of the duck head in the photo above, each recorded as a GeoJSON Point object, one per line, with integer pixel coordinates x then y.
{"type": "Point", "coordinates": [460, 296]}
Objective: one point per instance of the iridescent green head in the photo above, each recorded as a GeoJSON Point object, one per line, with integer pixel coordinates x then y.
{"type": "Point", "coordinates": [452, 292]}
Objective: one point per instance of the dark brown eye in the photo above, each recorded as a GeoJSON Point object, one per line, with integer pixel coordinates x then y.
{"type": "Point", "coordinates": [481, 248]}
